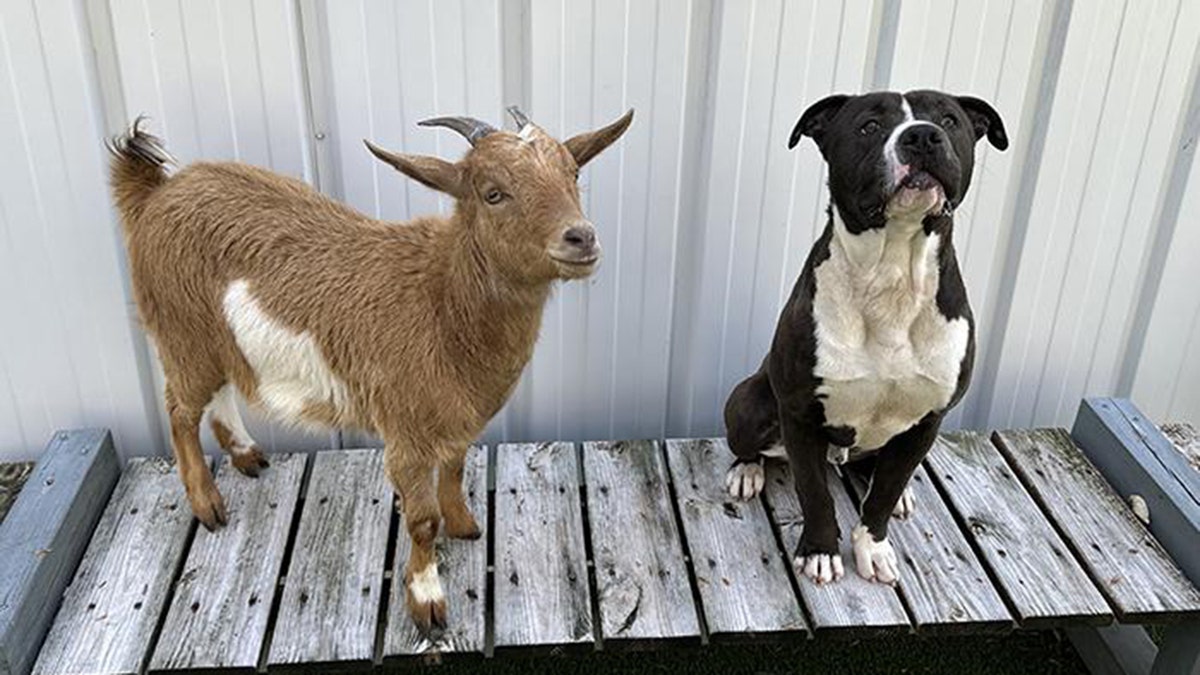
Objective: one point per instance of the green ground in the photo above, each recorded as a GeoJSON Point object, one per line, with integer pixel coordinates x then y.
{"type": "Point", "coordinates": [1041, 653]}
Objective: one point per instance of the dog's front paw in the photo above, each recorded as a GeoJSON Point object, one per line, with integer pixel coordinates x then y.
{"type": "Point", "coordinates": [745, 480]}
{"type": "Point", "coordinates": [906, 506]}
{"type": "Point", "coordinates": [820, 568]}
{"type": "Point", "coordinates": [875, 560]}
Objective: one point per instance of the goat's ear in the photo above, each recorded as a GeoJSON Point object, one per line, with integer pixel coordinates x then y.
{"type": "Point", "coordinates": [587, 145]}
{"type": "Point", "coordinates": [428, 171]}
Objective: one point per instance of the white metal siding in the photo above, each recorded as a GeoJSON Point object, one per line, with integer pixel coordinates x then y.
{"type": "Point", "coordinates": [1077, 244]}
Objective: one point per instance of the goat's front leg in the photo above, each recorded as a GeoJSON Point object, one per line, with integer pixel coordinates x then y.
{"type": "Point", "coordinates": [460, 524]}
{"type": "Point", "coordinates": [412, 478]}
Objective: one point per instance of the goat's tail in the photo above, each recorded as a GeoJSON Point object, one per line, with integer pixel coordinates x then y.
{"type": "Point", "coordinates": [139, 166]}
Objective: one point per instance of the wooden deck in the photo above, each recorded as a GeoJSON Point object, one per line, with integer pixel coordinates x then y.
{"type": "Point", "coordinates": [608, 545]}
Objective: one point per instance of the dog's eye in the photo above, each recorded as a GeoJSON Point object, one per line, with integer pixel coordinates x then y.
{"type": "Point", "coordinates": [869, 128]}
{"type": "Point", "coordinates": [493, 196]}
{"type": "Point", "coordinates": [948, 122]}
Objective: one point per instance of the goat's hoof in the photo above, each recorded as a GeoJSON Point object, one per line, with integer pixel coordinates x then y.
{"type": "Point", "coordinates": [208, 506]}
{"type": "Point", "coordinates": [463, 529]}
{"type": "Point", "coordinates": [429, 616]}
{"type": "Point", "coordinates": [249, 460]}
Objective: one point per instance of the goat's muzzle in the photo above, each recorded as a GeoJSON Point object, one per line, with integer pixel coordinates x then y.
{"type": "Point", "coordinates": [577, 251]}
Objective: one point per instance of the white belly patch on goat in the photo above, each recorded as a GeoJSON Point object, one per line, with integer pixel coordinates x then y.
{"type": "Point", "coordinates": [886, 355]}
{"type": "Point", "coordinates": [292, 373]}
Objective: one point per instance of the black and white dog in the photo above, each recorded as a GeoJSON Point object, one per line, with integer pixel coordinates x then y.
{"type": "Point", "coordinates": [877, 340]}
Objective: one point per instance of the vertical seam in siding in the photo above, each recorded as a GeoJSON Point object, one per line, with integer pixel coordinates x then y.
{"type": "Point", "coordinates": [1127, 212]}
{"type": "Point", "coordinates": [1164, 232]}
{"type": "Point", "coordinates": [1021, 199]}
{"type": "Point", "coordinates": [614, 332]}
{"type": "Point", "coordinates": [722, 349]}
{"type": "Point", "coordinates": [1093, 146]}
{"type": "Point", "coordinates": [885, 43]}
{"type": "Point", "coordinates": [227, 80]}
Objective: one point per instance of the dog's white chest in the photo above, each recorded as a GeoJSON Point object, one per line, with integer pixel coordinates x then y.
{"type": "Point", "coordinates": [885, 354]}
{"type": "Point", "coordinates": [292, 373]}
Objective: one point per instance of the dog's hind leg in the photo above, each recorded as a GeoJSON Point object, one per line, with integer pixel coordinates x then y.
{"type": "Point", "coordinates": [752, 426]}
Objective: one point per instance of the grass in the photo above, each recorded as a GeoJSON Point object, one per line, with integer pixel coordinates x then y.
{"type": "Point", "coordinates": [1037, 652]}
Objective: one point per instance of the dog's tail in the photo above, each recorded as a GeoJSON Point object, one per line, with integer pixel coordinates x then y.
{"type": "Point", "coordinates": [139, 166]}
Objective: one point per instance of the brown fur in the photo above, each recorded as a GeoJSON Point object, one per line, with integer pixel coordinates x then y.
{"type": "Point", "coordinates": [428, 323]}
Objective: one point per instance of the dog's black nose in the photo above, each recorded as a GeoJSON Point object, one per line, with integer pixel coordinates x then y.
{"type": "Point", "coordinates": [922, 139]}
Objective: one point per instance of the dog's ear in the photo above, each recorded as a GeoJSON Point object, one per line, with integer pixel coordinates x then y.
{"type": "Point", "coordinates": [985, 120]}
{"type": "Point", "coordinates": [816, 119]}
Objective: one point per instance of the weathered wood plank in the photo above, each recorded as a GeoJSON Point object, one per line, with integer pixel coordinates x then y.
{"type": "Point", "coordinates": [740, 572]}
{"type": "Point", "coordinates": [641, 576]}
{"type": "Point", "coordinates": [218, 617]}
{"type": "Point", "coordinates": [1043, 582]}
{"type": "Point", "coordinates": [540, 583]}
{"type": "Point", "coordinates": [113, 605]}
{"type": "Point", "coordinates": [44, 537]}
{"type": "Point", "coordinates": [12, 478]}
{"type": "Point", "coordinates": [462, 566]}
{"type": "Point", "coordinates": [942, 580]}
{"type": "Point", "coordinates": [1136, 458]}
{"type": "Point", "coordinates": [330, 605]}
{"type": "Point", "coordinates": [852, 604]}
{"type": "Point", "coordinates": [1136, 575]}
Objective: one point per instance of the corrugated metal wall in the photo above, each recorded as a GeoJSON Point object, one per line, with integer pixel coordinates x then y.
{"type": "Point", "coordinates": [1077, 244]}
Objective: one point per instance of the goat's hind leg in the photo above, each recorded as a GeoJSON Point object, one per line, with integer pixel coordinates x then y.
{"type": "Point", "coordinates": [460, 524]}
{"type": "Point", "coordinates": [413, 479]}
{"type": "Point", "coordinates": [231, 433]}
{"type": "Point", "coordinates": [207, 504]}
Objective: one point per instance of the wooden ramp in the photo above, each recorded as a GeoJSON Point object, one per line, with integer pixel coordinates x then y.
{"type": "Point", "coordinates": [606, 545]}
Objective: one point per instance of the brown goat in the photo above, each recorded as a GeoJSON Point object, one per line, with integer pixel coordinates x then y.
{"type": "Point", "coordinates": [323, 316]}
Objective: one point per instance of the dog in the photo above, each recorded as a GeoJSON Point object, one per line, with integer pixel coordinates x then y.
{"type": "Point", "coordinates": [877, 341]}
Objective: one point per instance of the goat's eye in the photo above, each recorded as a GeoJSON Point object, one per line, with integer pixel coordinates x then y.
{"type": "Point", "coordinates": [949, 122]}
{"type": "Point", "coordinates": [870, 127]}
{"type": "Point", "coordinates": [493, 196]}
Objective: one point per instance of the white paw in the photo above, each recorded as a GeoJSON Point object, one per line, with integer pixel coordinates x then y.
{"type": "Point", "coordinates": [906, 506]}
{"type": "Point", "coordinates": [875, 560]}
{"type": "Point", "coordinates": [745, 481]}
{"type": "Point", "coordinates": [820, 568]}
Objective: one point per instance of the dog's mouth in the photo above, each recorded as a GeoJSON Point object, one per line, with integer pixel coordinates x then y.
{"type": "Point", "coordinates": [917, 193]}
{"type": "Point", "coordinates": [919, 180]}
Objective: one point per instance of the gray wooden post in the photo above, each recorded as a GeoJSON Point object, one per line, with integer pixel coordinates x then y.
{"type": "Point", "coordinates": [44, 536]}
{"type": "Point", "coordinates": [1136, 458]}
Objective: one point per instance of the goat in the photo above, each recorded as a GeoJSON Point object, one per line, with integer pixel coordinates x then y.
{"type": "Point", "coordinates": [252, 282]}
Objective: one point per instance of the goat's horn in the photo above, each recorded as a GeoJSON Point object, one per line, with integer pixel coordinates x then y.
{"type": "Point", "coordinates": [518, 117]}
{"type": "Point", "coordinates": [471, 128]}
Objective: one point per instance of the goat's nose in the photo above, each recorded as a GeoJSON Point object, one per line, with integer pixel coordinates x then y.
{"type": "Point", "coordinates": [580, 236]}
{"type": "Point", "coordinates": [922, 139]}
